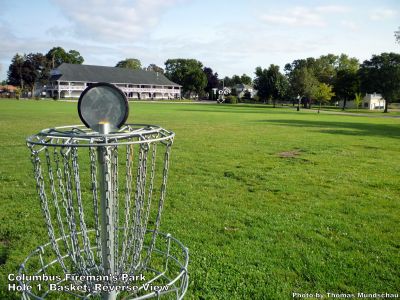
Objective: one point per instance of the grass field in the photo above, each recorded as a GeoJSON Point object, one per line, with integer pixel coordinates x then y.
{"type": "Point", "coordinates": [268, 201]}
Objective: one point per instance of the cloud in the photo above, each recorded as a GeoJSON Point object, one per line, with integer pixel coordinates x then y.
{"type": "Point", "coordinates": [304, 16]}
{"type": "Point", "coordinates": [382, 14]}
{"type": "Point", "coordinates": [121, 21]}
{"type": "Point", "coordinates": [333, 9]}
{"type": "Point", "coordinates": [299, 16]}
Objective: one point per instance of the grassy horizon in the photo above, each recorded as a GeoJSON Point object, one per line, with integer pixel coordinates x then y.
{"type": "Point", "coordinates": [268, 201]}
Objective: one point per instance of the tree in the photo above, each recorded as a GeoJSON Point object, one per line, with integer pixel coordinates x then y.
{"type": "Point", "coordinates": [57, 55]}
{"type": "Point", "coordinates": [303, 82]}
{"type": "Point", "coordinates": [270, 83]}
{"type": "Point", "coordinates": [324, 68]}
{"type": "Point", "coordinates": [357, 99]}
{"type": "Point", "coordinates": [346, 85]}
{"type": "Point", "coordinates": [130, 63]}
{"type": "Point", "coordinates": [303, 76]}
{"type": "Point", "coordinates": [261, 83]}
{"type": "Point", "coordinates": [245, 79]}
{"type": "Point", "coordinates": [397, 35]}
{"type": "Point", "coordinates": [188, 73]}
{"type": "Point", "coordinates": [155, 68]}
{"type": "Point", "coordinates": [346, 63]}
{"type": "Point", "coordinates": [323, 93]}
{"type": "Point", "coordinates": [27, 70]}
{"type": "Point", "coordinates": [236, 79]}
{"type": "Point", "coordinates": [382, 74]}
{"type": "Point", "coordinates": [227, 81]}
{"type": "Point", "coordinates": [212, 81]}
{"type": "Point", "coordinates": [16, 70]}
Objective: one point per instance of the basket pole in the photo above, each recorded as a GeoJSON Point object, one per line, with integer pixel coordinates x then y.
{"type": "Point", "coordinates": [106, 207]}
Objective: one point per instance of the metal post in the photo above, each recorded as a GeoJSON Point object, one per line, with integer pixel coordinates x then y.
{"type": "Point", "coordinates": [298, 102]}
{"type": "Point", "coordinates": [106, 204]}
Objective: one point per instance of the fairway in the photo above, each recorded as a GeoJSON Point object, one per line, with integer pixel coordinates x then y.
{"type": "Point", "coordinates": [270, 202]}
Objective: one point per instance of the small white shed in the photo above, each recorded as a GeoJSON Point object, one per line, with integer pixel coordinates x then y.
{"type": "Point", "coordinates": [373, 101]}
{"type": "Point", "coordinates": [370, 101]}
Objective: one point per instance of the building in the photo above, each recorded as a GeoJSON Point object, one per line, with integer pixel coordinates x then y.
{"type": "Point", "coordinates": [70, 80]}
{"type": "Point", "coordinates": [370, 101]}
{"type": "Point", "coordinates": [8, 91]}
{"type": "Point", "coordinates": [241, 89]}
{"type": "Point", "coordinates": [373, 101]}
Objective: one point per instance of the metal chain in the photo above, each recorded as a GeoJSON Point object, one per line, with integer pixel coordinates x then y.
{"type": "Point", "coordinates": [150, 194]}
{"type": "Point", "coordinates": [128, 246]}
{"type": "Point", "coordinates": [161, 202]}
{"type": "Point", "coordinates": [55, 202]}
{"type": "Point", "coordinates": [141, 218]}
{"type": "Point", "coordinates": [76, 252]}
{"type": "Point", "coordinates": [128, 190]}
{"type": "Point", "coordinates": [63, 197]}
{"type": "Point", "coordinates": [132, 244]}
{"type": "Point", "coordinates": [85, 237]}
{"type": "Point", "coordinates": [140, 183]}
{"type": "Point", "coordinates": [114, 177]}
{"type": "Point", "coordinates": [93, 173]}
{"type": "Point", "coordinates": [43, 200]}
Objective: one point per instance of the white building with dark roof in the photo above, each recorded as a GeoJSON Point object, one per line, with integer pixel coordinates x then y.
{"type": "Point", "coordinates": [70, 80]}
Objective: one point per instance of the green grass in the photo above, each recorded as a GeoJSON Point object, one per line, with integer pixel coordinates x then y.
{"type": "Point", "coordinates": [378, 112]}
{"type": "Point", "coordinates": [268, 201]}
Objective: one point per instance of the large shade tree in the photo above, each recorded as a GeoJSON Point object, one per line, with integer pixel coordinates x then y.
{"type": "Point", "coordinates": [16, 70]}
{"type": "Point", "coordinates": [28, 70]}
{"type": "Point", "coordinates": [347, 85]}
{"type": "Point", "coordinates": [57, 55]}
{"type": "Point", "coordinates": [270, 83]}
{"type": "Point", "coordinates": [188, 73]}
{"type": "Point", "coordinates": [303, 82]}
{"type": "Point", "coordinates": [130, 63]}
{"type": "Point", "coordinates": [381, 74]}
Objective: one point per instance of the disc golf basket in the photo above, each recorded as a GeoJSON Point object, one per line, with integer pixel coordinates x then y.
{"type": "Point", "coordinates": [102, 187]}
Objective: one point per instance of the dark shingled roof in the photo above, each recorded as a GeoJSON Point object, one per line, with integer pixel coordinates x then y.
{"type": "Point", "coordinates": [87, 73]}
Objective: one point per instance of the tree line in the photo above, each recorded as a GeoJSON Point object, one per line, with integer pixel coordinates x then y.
{"type": "Point", "coordinates": [320, 80]}
{"type": "Point", "coordinates": [27, 70]}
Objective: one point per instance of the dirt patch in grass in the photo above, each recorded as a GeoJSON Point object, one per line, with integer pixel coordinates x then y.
{"type": "Point", "coordinates": [289, 154]}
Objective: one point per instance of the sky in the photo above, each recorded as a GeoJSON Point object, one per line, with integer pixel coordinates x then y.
{"type": "Point", "coordinates": [231, 37]}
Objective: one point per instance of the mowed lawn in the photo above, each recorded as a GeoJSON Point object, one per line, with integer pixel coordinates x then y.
{"type": "Point", "coordinates": [268, 201]}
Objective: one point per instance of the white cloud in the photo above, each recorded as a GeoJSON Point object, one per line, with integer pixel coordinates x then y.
{"type": "Point", "coordinates": [382, 14]}
{"type": "Point", "coordinates": [121, 21]}
{"type": "Point", "coordinates": [299, 16]}
{"type": "Point", "coordinates": [304, 16]}
{"type": "Point", "coordinates": [333, 9]}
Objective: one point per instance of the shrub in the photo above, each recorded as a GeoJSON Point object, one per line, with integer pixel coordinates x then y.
{"type": "Point", "coordinates": [231, 99]}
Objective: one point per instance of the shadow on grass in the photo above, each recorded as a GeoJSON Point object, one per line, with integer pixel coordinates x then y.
{"type": "Point", "coordinates": [344, 128]}
{"type": "Point", "coordinates": [243, 108]}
